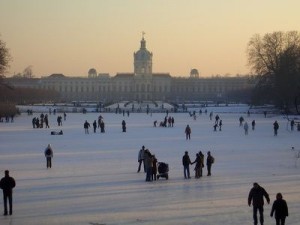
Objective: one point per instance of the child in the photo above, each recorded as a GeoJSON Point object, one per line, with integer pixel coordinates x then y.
{"type": "Point", "coordinates": [280, 208]}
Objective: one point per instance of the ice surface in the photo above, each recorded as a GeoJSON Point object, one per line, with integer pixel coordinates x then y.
{"type": "Point", "coordinates": [94, 177]}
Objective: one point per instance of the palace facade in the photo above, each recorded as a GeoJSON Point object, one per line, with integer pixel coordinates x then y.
{"type": "Point", "coordinates": [141, 85]}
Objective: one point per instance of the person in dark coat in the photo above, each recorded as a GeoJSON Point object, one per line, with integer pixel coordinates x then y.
{"type": "Point", "coordinates": [49, 155]}
{"type": "Point", "coordinates": [281, 210]}
{"type": "Point", "coordinates": [148, 160]}
{"type": "Point", "coordinates": [256, 196]}
{"type": "Point", "coordinates": [186, 162]}
{"type": "Point", "coordinates": [188, 132]}
{"type": "Point", "coordinates": [7, 184]}
{"type": "Point", "coordinates": [209, 161]}
{"type": "Point", "coordinates": [86, 126]}
{"type": "Point", "coordinates": [123, 126]}
{"type": "Point", "coordinates": [102, 126]}
{"type": "Point", "coordinates": [276, 127]}
{"type": "Point", "coordinates": [253, 124]}
{"type": "Point", "coordinates": [154, 167]}
{"type": "Point", "coordinates": [95, 126]}
{"type": "Point", "coordinates": [292, 124]}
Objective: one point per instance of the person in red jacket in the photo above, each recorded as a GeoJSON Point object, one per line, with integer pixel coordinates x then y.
{"type": "Point", "coordinates": [7, 183]}
{"type": "Point", "coordinates": [281, 210]}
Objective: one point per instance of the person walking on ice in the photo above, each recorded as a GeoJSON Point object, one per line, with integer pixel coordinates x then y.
{"type": "Point", "coordinates": [49, 155]}
{"type": "Point", "coordinates": [281, 210]}
{"type": "Point", "coordinates": [256, 196]}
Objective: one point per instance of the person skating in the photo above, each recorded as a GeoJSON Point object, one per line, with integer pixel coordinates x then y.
{"type": "Point", "coordinates": [7, 184]}
{"type": "Point", "coordinates": [256, 196]}
{"type": "Point", "coordinates": [49, 155]}
{"type": "Point", "coordinates": [281, 210]}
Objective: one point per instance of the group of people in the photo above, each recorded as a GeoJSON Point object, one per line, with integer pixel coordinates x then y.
{"type": "Point", "coordinates": [40, 122]}
{"type": "Point", "coordinates": [199, 164]}
{"type": "Point", "coordinates": [100, 125]}
{"type": "Point", "coordinates": [96, 124]}
{"type": "Point", "coordinates": [218, 123]}
{"type": "Point", "coordinates": [150, 164]}
{"type": "Point", "coordinates": [167, 122]}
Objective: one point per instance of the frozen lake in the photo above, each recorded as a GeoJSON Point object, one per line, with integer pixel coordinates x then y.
{"type": "Point", "coordinates": [94, 177]}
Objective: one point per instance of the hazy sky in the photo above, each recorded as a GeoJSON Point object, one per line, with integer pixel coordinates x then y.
{"type": "Point", "coordinates": [72, 36]}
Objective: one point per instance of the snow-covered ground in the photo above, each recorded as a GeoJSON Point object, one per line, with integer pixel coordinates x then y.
{"type": "Point", "coordinates": [94, 177]}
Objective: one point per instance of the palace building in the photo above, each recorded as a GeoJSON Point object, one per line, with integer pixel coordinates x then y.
{"type": "Point", "coordinates": [141, 85]}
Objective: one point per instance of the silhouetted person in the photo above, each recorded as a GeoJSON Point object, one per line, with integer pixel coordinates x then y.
{"type": "Point", "coordinates": [49, 155]}
{"type": "Point", "coordinates": [188, 132]}
{"type": "Point", "coordinates": [186, 162]}
{"type": "Point", "coordinates": [95, 126]}
{"type": "Point", "coordinates": [276, 127]}
{"type": "Point", "coordinates": [256, 196]}
{"type": "Point", "coordinates": [123, 126]}
{"type": "Point", "coordinates": [209, 161]}
{"type": "Point", "coordinates": [7, 183]}
{"type": "Point", "coordinates": [281, 210]}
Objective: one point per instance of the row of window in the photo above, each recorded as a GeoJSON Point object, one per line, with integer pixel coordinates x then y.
{"type": "Point", "coordinates": [141, 88]}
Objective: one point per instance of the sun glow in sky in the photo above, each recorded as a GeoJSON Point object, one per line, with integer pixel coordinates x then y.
{"type": "Point", "coordinates": [72, 36]}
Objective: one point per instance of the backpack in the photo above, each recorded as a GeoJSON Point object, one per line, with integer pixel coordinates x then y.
{"type": "Point", "coordinates": [212, 160]}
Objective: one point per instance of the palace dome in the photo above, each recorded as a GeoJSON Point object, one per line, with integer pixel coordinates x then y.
{"type": "Point", "coordinates": [143, 53]}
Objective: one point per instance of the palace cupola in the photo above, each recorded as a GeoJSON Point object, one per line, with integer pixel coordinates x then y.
{"type": "Point", "coordinates": [143, 60]}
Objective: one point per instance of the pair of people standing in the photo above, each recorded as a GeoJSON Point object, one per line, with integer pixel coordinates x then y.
{"type": "Point", "coordinates": [256, 197]}
{"type": "Point", "coordinates": [186, 162]}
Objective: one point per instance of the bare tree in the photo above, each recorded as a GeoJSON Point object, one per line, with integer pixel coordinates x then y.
{"type": "Point", "coordinates": [275, 58]}
{"type": "Point", "coordinates": [4, 57]}
{"type": "Point", "coordinates": [27, 73]}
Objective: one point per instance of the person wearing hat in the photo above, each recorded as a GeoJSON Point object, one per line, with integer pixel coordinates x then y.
{"type": "Point", "coordinates": [256, 196]}
{"type": "Point", "coordinates": [49, 155]}
{"type": "Point", "coordinates": [7, 183]}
